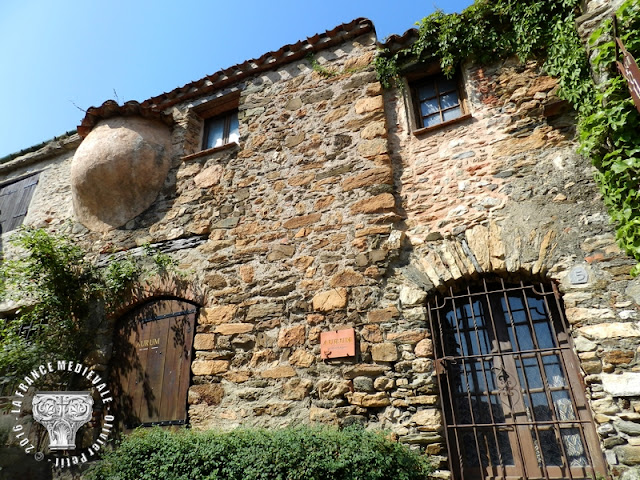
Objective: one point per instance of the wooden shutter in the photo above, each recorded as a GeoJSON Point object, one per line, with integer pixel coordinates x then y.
{"type": "Point", "coordinates": [152, 363]}
{"type": "Point", "coordinates": [14, 202]}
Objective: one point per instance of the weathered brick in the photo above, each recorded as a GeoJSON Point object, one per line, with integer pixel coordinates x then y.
{"type": "Point", "coordinates": [209, 393]}
{"type": "Point", "coordinates": [302, 358]}
{"type": "Point", "coordinates": [373, 130]}
{"type": "Point", "coordinates": [282, 371]}
{"type": "Point", "coordinates": [370, 104]}
{"type": "Point", "coordinates": [374, 176]}
{"type": "Point", "coordinates": [293, 140]}
{"type": "Point", "coordinates": [407, 336]}
{"type": "Point", "coordinates": [261, 310]}
{"type": "Point", "coordinates": [234, 328]}
{"type": "Point", "coordinates": [429, 419]}
{"type": "Point", "coordinates": [218, 315]}
{"type": "Point", "coordinates": [296, 389]}
{"type": "Point", "coordinates": [373, 400]}
{"type": "Point", "coordinates": [330, 300]}
{"type": "Point", "coordinates": [372, 148]}
{"type": "Point", "coordinates": [239, 376]}
{"type": "Point", "coordinates": [302, 221]}
{"type": "Point", "coordinates": [385, 202]}
{"type": "Point", "coordinates": [291, 336]}
{"type": "Point", "coordinates": [347, 278]}
{"type": "Point", "coordinates": [204, 341]}
{"type": "Point", "coordinates": [383, 315]}
{"type": "Point", "coordinates": [209, 367]}
{"type": "Point", "coordinates": [384, 352]}
{"type": "Point", "coordinates": [424, 348]}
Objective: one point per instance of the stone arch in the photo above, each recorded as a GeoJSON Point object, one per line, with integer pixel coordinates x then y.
{"type": "Point", "coordinates": [164, 290]}
{"type": "Point", "coordinates": [482, 250]}
{"type": "Point", "coordinates": [164, 286]}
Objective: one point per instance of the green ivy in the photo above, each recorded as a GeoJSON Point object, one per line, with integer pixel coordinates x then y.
{"type": "Point", "coordinates": [546, 30]}
{"type": "Point", "coordinates": [62, 297]}
{"type": "Point", "coordinates": [485, 31]}
{"type": "Point", "coordinates": [609, 134]}
{"type": "Point", "coordinates": [302, 453]}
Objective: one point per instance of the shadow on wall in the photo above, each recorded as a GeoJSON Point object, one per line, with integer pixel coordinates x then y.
{"type": "Point", "coordinates": [14, 464]}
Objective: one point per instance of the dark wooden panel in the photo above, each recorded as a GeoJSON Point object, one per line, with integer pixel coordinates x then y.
{"type": "Point", "coordinates": [14, 202]}
{"type": "Point", "coordinates": [152, 359]}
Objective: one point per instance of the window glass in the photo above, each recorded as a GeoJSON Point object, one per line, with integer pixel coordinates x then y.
{"type": "Point", "coordinates": [447, 84]}
{"type": "Point", "coordinates": [449, 100]}
{"type": "Point", "coordinates": [429, 107]}
{"type": "Point", "coordinates": [221, 130]}
{"type": "Point", "coordinates": [504, 376]}
{"type": "Point", "coordinates": [432, 120]}
{"type": "Point", "coordinates": [233, 128]}
{"type": "Point", "coordinates": [437, 100]}
{"type": "Point", "coordinates": [214, 133]}
{"type": "Point", "coordinates": [426, 91]}
{"type": "Point", "coordinates": [451, 114]}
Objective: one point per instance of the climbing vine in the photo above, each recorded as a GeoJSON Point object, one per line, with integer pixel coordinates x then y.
{"type": "Point", "coordinates": [546, 30]}
{"type": "Point", "coordinates": [61, 297]}
{"type": "Point", "coordinates": [610, 135]}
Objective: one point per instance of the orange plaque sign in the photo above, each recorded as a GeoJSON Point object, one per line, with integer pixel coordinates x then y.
{"type": "Point", "coordinates": [338, 343]}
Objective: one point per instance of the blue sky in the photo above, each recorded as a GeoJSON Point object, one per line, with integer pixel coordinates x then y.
{"type": "Point", "coordinates": [57, 57]}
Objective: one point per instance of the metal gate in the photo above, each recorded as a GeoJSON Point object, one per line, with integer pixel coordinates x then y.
{"type": "Point", "coordinates": [512, 394]}
{"type": "Point", "coordinates": [152, 363]}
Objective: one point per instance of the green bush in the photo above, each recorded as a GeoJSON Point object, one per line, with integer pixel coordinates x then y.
{"type": "Point", "coordinates": [304, 453]}
{"type": "Point", "coordinates": [62, 295]}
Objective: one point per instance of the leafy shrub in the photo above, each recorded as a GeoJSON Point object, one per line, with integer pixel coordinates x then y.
{"type": "Point", "coordinates": [304, 453]}
{"type": "Point", "coordinates": [62, 296]}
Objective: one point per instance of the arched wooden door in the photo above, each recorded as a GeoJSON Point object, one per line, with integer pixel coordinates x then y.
{"type": "Point", "coordinates": [152, 363]}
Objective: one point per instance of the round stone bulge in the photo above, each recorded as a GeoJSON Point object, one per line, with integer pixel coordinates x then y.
{"type": "Point", "coordinates": [118, 170]}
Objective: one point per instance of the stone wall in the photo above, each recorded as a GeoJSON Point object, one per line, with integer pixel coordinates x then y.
{"type": "Point", "coordinates": [331, 213]}
{"type": "Point", "coordinates": [284, 236]}
{"type": "Point", "coordinates": [505, 193]}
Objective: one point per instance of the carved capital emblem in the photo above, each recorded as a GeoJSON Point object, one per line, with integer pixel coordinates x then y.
{"type": "Point", "coordinates": [62, 414]}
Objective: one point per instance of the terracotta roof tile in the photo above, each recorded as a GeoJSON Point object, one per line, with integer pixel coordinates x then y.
{"type": "Point", "coordinates": [394, 43]}
{"type": "Point", "coordinates": [268, 61]}
{"type": "Point", "coordinates": [152, 108]}
{"type": "Point", "coordinates": [110, 108]}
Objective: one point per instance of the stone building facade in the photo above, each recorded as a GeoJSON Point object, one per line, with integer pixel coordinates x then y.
{"type": "Point", "coordinates": [330, 208]}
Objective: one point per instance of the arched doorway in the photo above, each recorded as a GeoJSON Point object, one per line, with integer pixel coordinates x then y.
{"type": "Point", "coordinates": [152, 362]}
{"type": "Point", "coordinates": [512, 394]}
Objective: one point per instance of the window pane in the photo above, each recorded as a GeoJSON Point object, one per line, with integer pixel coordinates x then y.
{"type": "Point", "coordinates": [233, 129]}
{"type": "Point", "coordinates": [429, 106]}
{"type": "Point", "coordinates": [449, 100]}
{"type": "Point", "coordinates": [452, 114]}
{"type": "Point", "coordinates": [426, 91]}
{"type": "Point", "coordinates": [446, 84]}
{"type": "Point", "coordinates": [214, 133]}
{"type": "Point", "coordinates": [432, 120]}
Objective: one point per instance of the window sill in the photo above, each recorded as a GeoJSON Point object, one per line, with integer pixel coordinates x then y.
{"type": "Point", "coordinates": [209, 151]}
{"type": "Point", "coordinates": [424, 130]}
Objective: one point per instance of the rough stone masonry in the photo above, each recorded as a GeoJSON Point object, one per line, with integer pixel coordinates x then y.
{"type": "Point", "coordinates": [329, 213]}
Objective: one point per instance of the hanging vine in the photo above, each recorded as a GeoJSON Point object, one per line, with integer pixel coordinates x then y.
{"type": "Point", "coordinates": [62, 298]}
{"type": "Point", "coordinates": [546, 30]}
